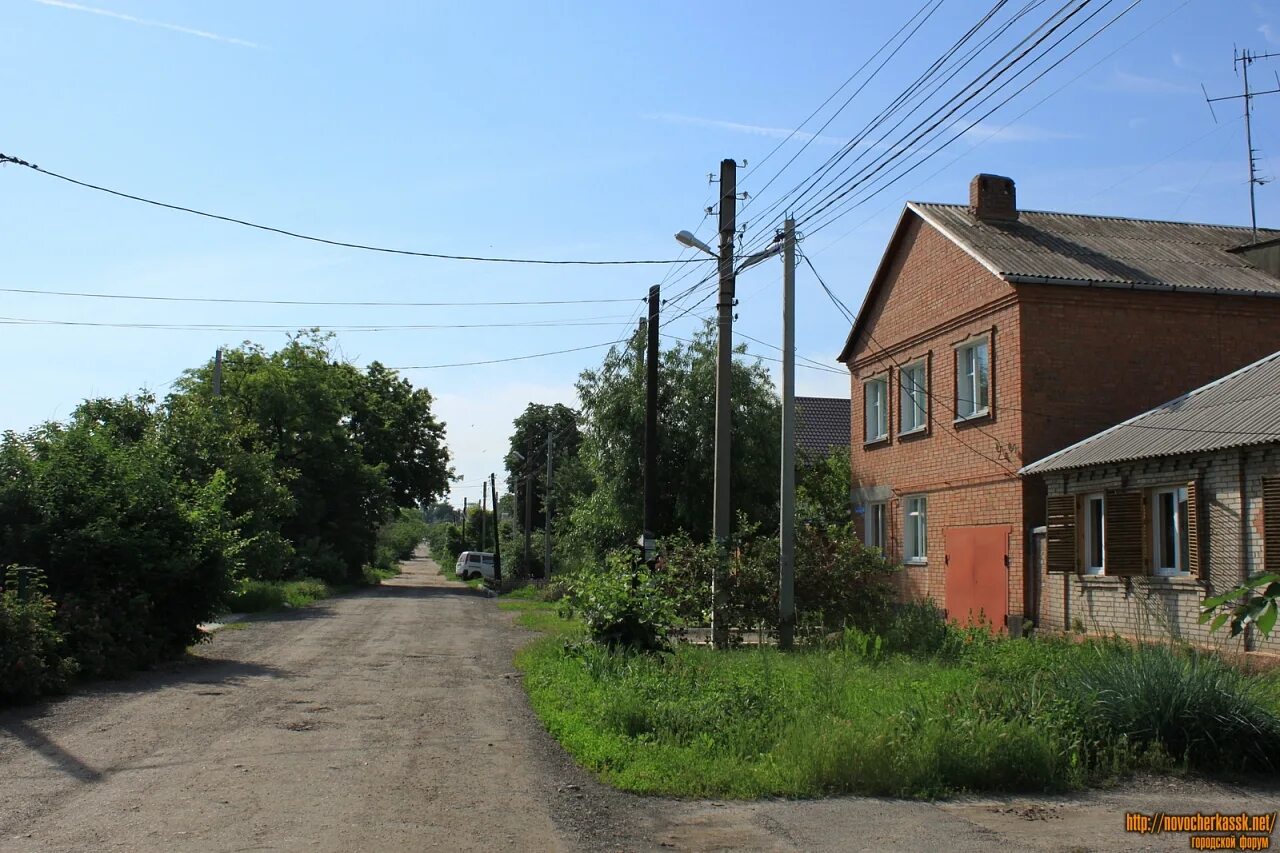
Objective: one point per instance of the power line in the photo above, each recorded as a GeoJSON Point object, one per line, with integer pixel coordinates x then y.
{"type": "Point", "coordinates": [217, 327]}
{"type": "Point", "coordinates": [309, 302]}
{"type": "Point", "coordinates": [505, 360]}
{"type": "Point", "coordinates": [5, 158]}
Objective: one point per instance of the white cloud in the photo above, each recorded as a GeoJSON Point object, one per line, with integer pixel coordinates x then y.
{"type": "Point", "coordinates": [1138, 84]}
{"type": "Point", "coordinates": [750, 129]}
{"type": "Point", "coordinates": [987, 132]}
{"type": "Point", "coordinates": [1180, 61]}
{"type": "Point", "coordinates": [119, 16]}
{"type": "Point", "coordinates": [1269, 33]}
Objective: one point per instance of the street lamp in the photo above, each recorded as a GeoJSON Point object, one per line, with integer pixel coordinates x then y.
{"type": "Point", "coordinates": [686, 238]}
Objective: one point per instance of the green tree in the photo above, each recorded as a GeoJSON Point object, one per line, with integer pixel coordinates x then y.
{"type": "Point", "coordinates": [530, 439]}
{"type": "Point", "coordinates": [823, 488]}
{"type": "Point", "coordinates": [607, 511]}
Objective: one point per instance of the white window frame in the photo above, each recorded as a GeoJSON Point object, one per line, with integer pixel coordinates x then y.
{"type": "Point", "coordinates": [1086, 514]}
{"type": "Point", "coordinates": [1180, 555]}
{"type": "Point", "coordinates": [967, 378]}
{"type": "Point", "coordinates": [915, 530]}
{"type": "Point", "coordinates": [881, 408]}
{"type": "Point", "coordinates": [913, 397]}
{"type": "Point", "coordinates": [875, 526]}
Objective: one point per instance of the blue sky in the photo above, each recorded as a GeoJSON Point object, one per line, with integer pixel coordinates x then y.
{"type": "Point", "coordinates": [571, 130]}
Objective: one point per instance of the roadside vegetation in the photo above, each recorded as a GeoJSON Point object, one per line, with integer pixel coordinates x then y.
{"type": "Point", "coordinates": [139, 518]}
{"type": "Point", "coordinates": [917, 708]}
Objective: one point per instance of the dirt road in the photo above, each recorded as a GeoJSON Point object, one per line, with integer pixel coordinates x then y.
{"type": "Point", "coordinates": [393, 720]}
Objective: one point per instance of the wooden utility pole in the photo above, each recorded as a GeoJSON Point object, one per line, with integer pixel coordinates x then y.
{"type": "Point", "coordinates": [649, 538]}
{"type": "Point", "coordinates": [786, 527]}
{"type": "Point", "coordinates": [546, 512]}
{"type": "Point", "coordinates": [497, 548]}
{"type": "Point", "coordinates": [464, 521]}
{"type": "Point", "coordinates": [723, 512]}
{"type": "Point", "coordinates": [484, 508]}
{"type": "Point", "coordinates": [528, 500]}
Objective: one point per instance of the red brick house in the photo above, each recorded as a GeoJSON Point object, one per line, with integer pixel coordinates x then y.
{"type": "Point", "coordinates": [992, 337]}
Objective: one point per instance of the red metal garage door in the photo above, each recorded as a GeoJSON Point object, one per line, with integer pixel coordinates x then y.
{"type": "Point", "coordinates": [977, 587]}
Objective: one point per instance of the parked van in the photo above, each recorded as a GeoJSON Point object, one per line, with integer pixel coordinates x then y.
{"type": "Point", "coordinates": [474, 564]}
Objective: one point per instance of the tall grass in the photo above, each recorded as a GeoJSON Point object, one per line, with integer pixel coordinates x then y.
{"type": "Point", "coordinates": [967, 713]}
{"type": "Point", "coordinates": [252, 596]}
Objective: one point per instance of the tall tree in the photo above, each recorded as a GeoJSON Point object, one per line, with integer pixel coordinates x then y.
{"type": "Point", "coordinates": [530, 439]}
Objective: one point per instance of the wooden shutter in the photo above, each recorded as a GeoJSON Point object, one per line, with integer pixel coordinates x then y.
{"type": "Point", "coordinates": [1126, 534]}
{"type": "Point", "coordinates": [1196, 562]}
{"type": "Point", "coordinates": [1060, 534]}
{"type": "Point", "coordinates": [1271, 524]}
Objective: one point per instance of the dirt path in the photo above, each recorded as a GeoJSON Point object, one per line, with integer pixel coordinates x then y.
{"type": "Point", "coordinates": [393, 720]}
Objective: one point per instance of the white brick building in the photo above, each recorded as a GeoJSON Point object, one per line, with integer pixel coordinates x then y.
{"type": "Point", "coordinates": [1150, 517]}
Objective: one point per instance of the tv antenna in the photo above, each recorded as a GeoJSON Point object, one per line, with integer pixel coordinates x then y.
{"type": "Point", "coordinates": [1242, 59]}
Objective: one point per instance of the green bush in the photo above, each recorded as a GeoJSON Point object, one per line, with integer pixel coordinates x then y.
{"type": "Point", "coordinates": [623, 605]}
{"type": "Point", "coordinates": [32, 659]}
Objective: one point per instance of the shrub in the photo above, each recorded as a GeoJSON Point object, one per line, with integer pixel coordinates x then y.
{"type": "Point", "coordinates": [32, 661]}
{"type": "Point", "coordinates": [622, 606]}
{"type": "Point", "coordinates": [252, 596]}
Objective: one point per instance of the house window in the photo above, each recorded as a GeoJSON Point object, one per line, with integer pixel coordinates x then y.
{"type": "Point", "coordinates": [915, 547]}
{"type": "Point", "coordinates": [912, 397]}
{"type": "Point", "coordinates": [973, 379]}
{"type": "Point", "coordinates": [875, 526]}
{"type": "Point", "coordinates": [1094, 511]}
{"type": "Point", "coordinates": [1169, 540]}
{"type": "Point", "coordinates": [876, 405]}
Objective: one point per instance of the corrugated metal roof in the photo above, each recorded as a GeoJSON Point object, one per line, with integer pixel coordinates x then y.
{"type": "Point", "coordinates": [1074, 249]}
{"type": "Point", "coordinates": [1239, 410]}
{"type": "Point", "coordinates": [822, 424]}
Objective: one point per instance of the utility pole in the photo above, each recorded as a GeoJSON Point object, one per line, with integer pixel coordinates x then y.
{"type": "Point", "coordinates": [1242, 60]}
{"type": "Point", "coordinates": [217, 372]}
{"type": "Point", "coordinates": [528, 500]}
{"type": "Point", "coordinates": [464, 521]}
{"type": "Point", "coordinates": [648, 540]}
{"type": "Point", "coordinates": [497, 548]}
{"type": "Point", "coordinates": [787, 523]}
{"type": "Point", "coordinates": [546, 512]}
{"type": "Point", "coordinates": [723, 512]}
{"type": "Point", "coordinates": [484, 508]}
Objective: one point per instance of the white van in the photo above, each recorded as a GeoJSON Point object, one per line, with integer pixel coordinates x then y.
{"type": "Point", "coordinates": [474, 564]}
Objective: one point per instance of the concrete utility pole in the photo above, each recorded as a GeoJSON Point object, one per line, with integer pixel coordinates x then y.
{"type": "Point", "coordinates": [497, 548]}
{"type": "Point", "coordinates": [787, 523]}
{"type": "Point", "coordinates": [217, 372]}
{"type": "Point", "coordinates": [464, 521]}
{"type": "Point", "coordinates": [722, 519]}
{"type": "Point", "coordinates": [484, 508]}
{"type": "Point", "coordinates": [528, 499]}
{"type": "Point", "coordinates": [546, 512]}
{"type": "Point", "coordinates": [649, 537]}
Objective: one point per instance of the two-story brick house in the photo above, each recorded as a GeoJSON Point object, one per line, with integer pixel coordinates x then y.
{"type": "Point", "coordinates": [991, 337]}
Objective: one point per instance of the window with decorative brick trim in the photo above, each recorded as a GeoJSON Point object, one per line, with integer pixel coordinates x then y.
{"type": "Point", "coordinates": [1170, 546]}
{"type": "Point", "coordinates": [875, 529]}
{"type": "Point", "coordinates": [973, 378]}
{"type": "Point", "coordinates": [915, 531]}
{"type": "Point", "coordinates": [1093, 518]}
{"type": "Point", "coordinates": [913, 397]}
{"type": "Point", "coordinates": [875, 399]}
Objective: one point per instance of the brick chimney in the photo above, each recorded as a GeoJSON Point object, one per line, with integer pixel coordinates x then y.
{"type": "Point", "coordinates": [992, 198]}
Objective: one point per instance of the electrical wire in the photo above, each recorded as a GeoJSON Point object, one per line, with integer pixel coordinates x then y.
{"type": "Point", "coordinates": [506, 360]}
{"type": "Point", "coordinates": [228, 327]}
{"type": "Point", "coordinates": [310, 302]}
{"type": "Point", "coordinates": [5, 158]}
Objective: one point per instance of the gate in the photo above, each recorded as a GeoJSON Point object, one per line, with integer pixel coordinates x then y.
{"type": "Point", "coordinates": [977, 575]}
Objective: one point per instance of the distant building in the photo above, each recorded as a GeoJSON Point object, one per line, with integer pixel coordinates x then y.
{"type": "Point", "coordinates": [992, 336]}
{"type": "Point", "coordinates": [1148, 518]}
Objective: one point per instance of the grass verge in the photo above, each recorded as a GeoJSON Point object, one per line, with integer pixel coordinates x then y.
{"type": "Point", "coordinates": [979, 716]}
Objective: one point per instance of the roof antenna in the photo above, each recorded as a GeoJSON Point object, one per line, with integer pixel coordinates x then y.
{"type": "Point", "coordinates": [1241, 60]}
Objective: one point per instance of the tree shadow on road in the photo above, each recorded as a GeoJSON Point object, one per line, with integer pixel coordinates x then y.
{"type": "Point", "coordinates": [398, 591]}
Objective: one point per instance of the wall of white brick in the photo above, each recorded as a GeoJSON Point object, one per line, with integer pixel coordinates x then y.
{"type": "Point", "coordinates": [1160, 608]}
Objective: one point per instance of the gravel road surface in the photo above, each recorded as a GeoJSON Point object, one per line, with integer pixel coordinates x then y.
{"type": "Point", "coordinates": [393, 719]}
